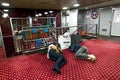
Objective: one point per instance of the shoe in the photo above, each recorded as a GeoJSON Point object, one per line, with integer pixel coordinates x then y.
{"type": "Point", "coordinates": [56, 70]}
{"type": "Point", "coordinates": [92, 58]}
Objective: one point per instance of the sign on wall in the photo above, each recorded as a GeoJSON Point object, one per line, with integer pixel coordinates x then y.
{"type": "Point", "coordinates": [117, 17]}
{"type": "Point", "coordinates": [94, 14]}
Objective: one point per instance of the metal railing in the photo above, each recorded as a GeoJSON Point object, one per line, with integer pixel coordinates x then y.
{"type": "Point", "coordinates": [90, 29]}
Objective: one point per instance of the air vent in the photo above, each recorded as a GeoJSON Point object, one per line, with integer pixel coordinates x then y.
{"type": "Point", "coordinates": [104, 29]}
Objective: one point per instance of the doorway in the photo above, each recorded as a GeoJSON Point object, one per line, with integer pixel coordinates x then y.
{"type": "Point", "coordinates": [105, 21]}
{"type": "Point", "coordinates": [115, 30]}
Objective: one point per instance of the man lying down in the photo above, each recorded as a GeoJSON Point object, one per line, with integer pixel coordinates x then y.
{"type": "Point", "coordinates": [55, 54]}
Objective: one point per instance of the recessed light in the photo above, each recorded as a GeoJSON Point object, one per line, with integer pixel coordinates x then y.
{"type": "Point", "coordinates": [50, 11]}
{"type": "Point", "coordinates": [36, 15]}
{"type": "Point", "coordinates": [6, 10]}
{"type": "Point", "coordinates": [76, 5]}
{"type": "Point", "coordinates": [86, 8]}
{"type": "Point", "coordinates": [65, 8]}
{"type": "Point", "coordinates": [5, 4]}
{"type": "Point", "coordinates": [5, 15]}
{"type": "Point", "coordinates": [45, 12]}
{"type": "Point", "coordinates": [39, 14]}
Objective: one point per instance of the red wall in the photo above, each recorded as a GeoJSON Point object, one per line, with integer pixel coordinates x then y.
{"type": "Point", "coordinates": [14, 13]}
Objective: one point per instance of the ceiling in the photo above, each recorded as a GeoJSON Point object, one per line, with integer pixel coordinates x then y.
{"type": "Point", "coordinates": [58, 4]}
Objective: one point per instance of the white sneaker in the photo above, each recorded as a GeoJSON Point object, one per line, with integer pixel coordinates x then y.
{"type": "Point", "coordinates": [92, 58]}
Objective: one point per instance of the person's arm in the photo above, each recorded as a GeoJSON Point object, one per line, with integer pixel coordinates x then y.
{"type": "Point", "coordinates": [59, 49]}
{"type": "Point", "coordinates": [56, 48]}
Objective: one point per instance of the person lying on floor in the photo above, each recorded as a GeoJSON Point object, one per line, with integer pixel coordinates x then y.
{"type": "Point", "coordinates": [82, 53]}
{"type": "Point", "coordinates": [79, 50]}
{"type": "Point", "coordinates": [55, 54]}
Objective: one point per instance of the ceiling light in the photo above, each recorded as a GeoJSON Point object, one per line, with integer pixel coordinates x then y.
{"type": "Point", "coordinates": [5, 15]}
{"type": "Point", "coordinates": [5, 4]}
{"type": "Point", "coordinates": [45, 12]}
{"type": "Point", "coordinates": [36, 15]}
{"type": "Point", "coordinates": [39, 14]}
{"type": "Point", "coordinates": [50, 11]}
{"type": "Point", "coordinates": [65, 8]}
{"type": "Point", "coordinates": [101, 8]}
{"type": "Point", "coordinates": [86, 8]}
{"type": "Point", "coordinates": [76, 5]}
{"type": "Point", "coordinates": [6, 10]}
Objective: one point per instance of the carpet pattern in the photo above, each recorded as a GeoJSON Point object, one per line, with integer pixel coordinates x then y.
{"type": "Point", "coordinates": [2, 55]}
{"type": "Point", "coordinates": [38, 67]}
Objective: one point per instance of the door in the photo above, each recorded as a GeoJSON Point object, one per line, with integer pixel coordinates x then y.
{"type": "Point", "coordinates": [73, 20]}
{"type": "Point", "coordinates": [105, 21]}
{"type": "Point", "coordinates": [115, 30]}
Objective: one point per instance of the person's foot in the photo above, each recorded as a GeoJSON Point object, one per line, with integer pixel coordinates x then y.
{"type": "Point", "coordinates": [63, 63]}
{"type": "Point", "coordinates": [92, 58]}
{"type": "Point", "coordinates": [56, 70]}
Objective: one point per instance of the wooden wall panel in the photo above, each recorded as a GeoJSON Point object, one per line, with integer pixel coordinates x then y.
{"type": "Point", "coordinates": [7, 36]}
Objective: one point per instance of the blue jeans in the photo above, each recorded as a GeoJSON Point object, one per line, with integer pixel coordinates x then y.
{"type": "Point", "coordinates": [74, 47]}
{"type": "Point", "coordinates": [58, 58]}
{"type": "Point", "coordinates": [82, 53]}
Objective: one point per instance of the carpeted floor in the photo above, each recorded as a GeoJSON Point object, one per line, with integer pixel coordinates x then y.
{"type": "Point", "coordinates": [109, 38]}
{"type": "Point", "coordinates": [2, 53]}
{"type": "Point", "coordinates": [38, 67]}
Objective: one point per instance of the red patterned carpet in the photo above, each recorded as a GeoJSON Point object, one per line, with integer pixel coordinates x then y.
{"type": "Point", "coordinates": [38, 67]}
{"type": "Point", "coordinates": [1, 53]}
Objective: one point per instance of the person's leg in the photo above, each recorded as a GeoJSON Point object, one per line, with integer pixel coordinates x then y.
{"type": "Point", "coordinates": [59, 60]}
{"type": "Point", "coordinates": [82, 53]}
{"type": "Point", "coordinates": [56, 69]}
{"type": "Point", "coordinates": [62, 61]}
{"type": "Point", "coordinates": [90, 57]}
{"type": "Point", "coordinates": [72, 48]}
{"type": "Point", "coordinates": [54, 56]}
{"type": "Point", "coordinates": [77, 47]}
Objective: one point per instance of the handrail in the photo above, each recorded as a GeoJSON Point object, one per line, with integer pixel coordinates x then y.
{"type": "Point", "coordinates": [91, 27]}
{"type": "Point", "coordinates": [55, 31]}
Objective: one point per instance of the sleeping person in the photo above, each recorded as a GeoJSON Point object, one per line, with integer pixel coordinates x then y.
{"type": "Point", "coordinates": [55, 54]}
